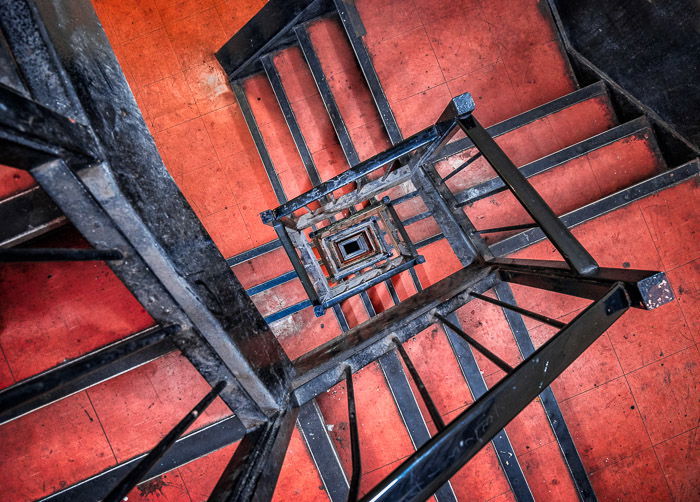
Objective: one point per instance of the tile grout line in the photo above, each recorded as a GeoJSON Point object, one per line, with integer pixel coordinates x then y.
{"type": "Point", "coordinates": [99, 421]}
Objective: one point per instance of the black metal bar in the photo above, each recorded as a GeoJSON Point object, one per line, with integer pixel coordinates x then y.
{"type": "Point", "coordinates": [603, 206]}
{"type": "Point", "coordinates": [572, 250]}
{"type": "Point", "coordinates": [214, 350]}
{"type": "Point", "coordinates": [189, 447]}
{"type": "Point", "coordinates": [548, 401]}
{"type": "Point", "coordinates": [321, 368]}
{"type": "Point", "coordinates": [495, 185]}
{"type": "Point", "coordinates": [146, 464]}
{"type": "Point", "coordinates": [251, 474]}
{"type": "Point", "coordinates": [507, 228]}
{"type": "Point", "coordinates": [253, 253]}
{"type": "Point", "coordinates": [477, 385]}
{"type": "Point", "coordinates": [354, 438]}
{"type": "Point", "coordinates": [277, 87]}
{"type": "Point", "coordinates": [409, 411]}
{"type": "Point", "coordinates": [364, 286]}
{"type": "Point", "coordinates": [464, 165]}
{"type": "Point", "coordinates": [351, 21]}
{"type": "Point", "coordinates": [646, 289]}
{"type": "Point", "coordinates": [31, 134]}
{"type": "Point", "coordinates": [87, 370]}
{"type": "Point", "coordinates": [58, 254]}
{"type": "Point", "coordinates": [26, 215]}
{"type": "Point", "coordinates": [554, 106]}
{"type": "Point", "coordinates": [425, 395]}
{"type": "Point", "coordinates": [324, 89]}
{"type": "Point", "coordinates": [353, 174]}
{"type": "Point", "coordinates": [313, 429]}
{"type": "Point", "coordinates": [296, 263]}
{"type": "Point", "coordinates": [258, 140]}
{"type": "Point", "coordinates": [532, 315]}
{"type": "Point", "coordinates": [420, 475]}
{"type": "Point", "coordinates": [474, 343]}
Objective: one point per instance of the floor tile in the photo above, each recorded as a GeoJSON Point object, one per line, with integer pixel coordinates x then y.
{"type": "Point", "coordinates": [638, 477]}
{"type": "Point", "coordinates": [332, 47]}
{"type": "Point", "coordinates": [481, 478]}
{"type": "Point", "coordinates": [54, 311]}
{"type": "Point", "coordinates": [280, 297]}
{"type": "Point", "coordinates": [168, 486]}
{"type": "Point", "coordinates": [353, 98]}
{"type": "Point", "coordinates": [13, 181]}
{"type": "Point", "coordinates": [299, 479]}
{"type": "Point", "coordinates": [421, 110]}
{"type": "Point", "coordinates": [235, 14]}
{"type": "Point", "coordinates": [384, 19]}
{"type": "Point", "coordinates": [492, 92]}
{"type": "Point", "coordinates": [641, 337]}
{"type": "Point", "coordinates": [376, 414]}
{"type": "Point", "coordinates": [582, 120]}
{"type": "Point", "coordinates": [547, 474]}
{"type": "Point", "coordinates": [625, 162]}
{"type": "Point", "coordinates": [430, 11]}
{"type": "Point", "coordinates": [219, 226]}
{"type": "Point", "coordinates": [667, 394]}
{"type": "Point", "coordinates": [209, 86]}
{"type": "Point", "coordinates": [205, 192]}
{"type": "Point", "coordinates": [519, 24]}
{"type": "Point", "coordinates": [186, 147]}
{"type": "Point", "coordinates": [295, 74]}
{"type": "Point", "coordinates": [314, 123]}
{"type": "Point", "coordinates": [303, 331]}
{"type": "Point", "coordinates": [37, 461]}
{"type": "Point", "coordinates": [679, 458]}
{"type": "Point", "coordinates": [151, 400]}
{"type": "Point", "coordinates": [196, 38]}
{"type": "Point", "coordinates": [127, 19]}
{"type": "Point", "coordinates": [674, 225]}
{"type": "Point", "coordinates": [610, 407]}
{"type": "Point", "coordinates": [406, 64]}
{"type": "Point", "coordinates": [149, 58]}
{"type": "Point", "coordinates": [201, 475]}
{"type": "Point", "coordinates": [228, 132]}
{"type": "Point", "coordinates": [463, 48]}
{"type": "Point", "coordinates": [175, 10]}
{"type": "Point", "coordinates": [444, 381]}
{"type": "Point", "coordinates": [370, 139]}
{"type": "Point", "coordinates": [685, 281]}
{"type": "Point", "coordinates": [262, 268]}
{"type": "Point", "coordinates": [597, 365]}
{"type": "Point", "coordinates": [168, 102]}
{"type": "Point", "coordinates": [539, 74]}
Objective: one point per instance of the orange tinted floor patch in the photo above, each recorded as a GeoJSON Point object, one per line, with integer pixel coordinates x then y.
{"type": "Point", "coordinates": [638, 383]}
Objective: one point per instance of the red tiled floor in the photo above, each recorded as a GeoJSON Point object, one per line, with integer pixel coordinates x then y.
{"type": "Point", "coordinates": [74, 307]}
{"type": "Point", "coordinates": [613, 405]}
{"type": "Point", "coordinates": [679, 458]}
{"type": "Point", "coordinates": [138, 408]}
{"type": "Point", "coordinates": [149, 58]}
{"type": "Point", "coordinates": [50, 457]}
{"type": "Point", "coordinates": [169, 486]}
{"type": "Point", "coordinates": [168, 102]}
{"type": "Point", "coordinates": [667, 394]}
{"type": "Point", "coordinates": [547, 475]}
{"type": "Point", "coordinates": [196, 37]}
{"type": "Point", "coordinates": [209, 86]}
{"type": "Point", "coordinates": [406, 64]}
{"type": "Point", "coordinates": [376, 414]}
{"type": "Point", "coordinates": [637, 477]}
{"type": "Point", "coordinates": [186, 147]}
{"type": "Point", "coordinates": [201, 476]}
